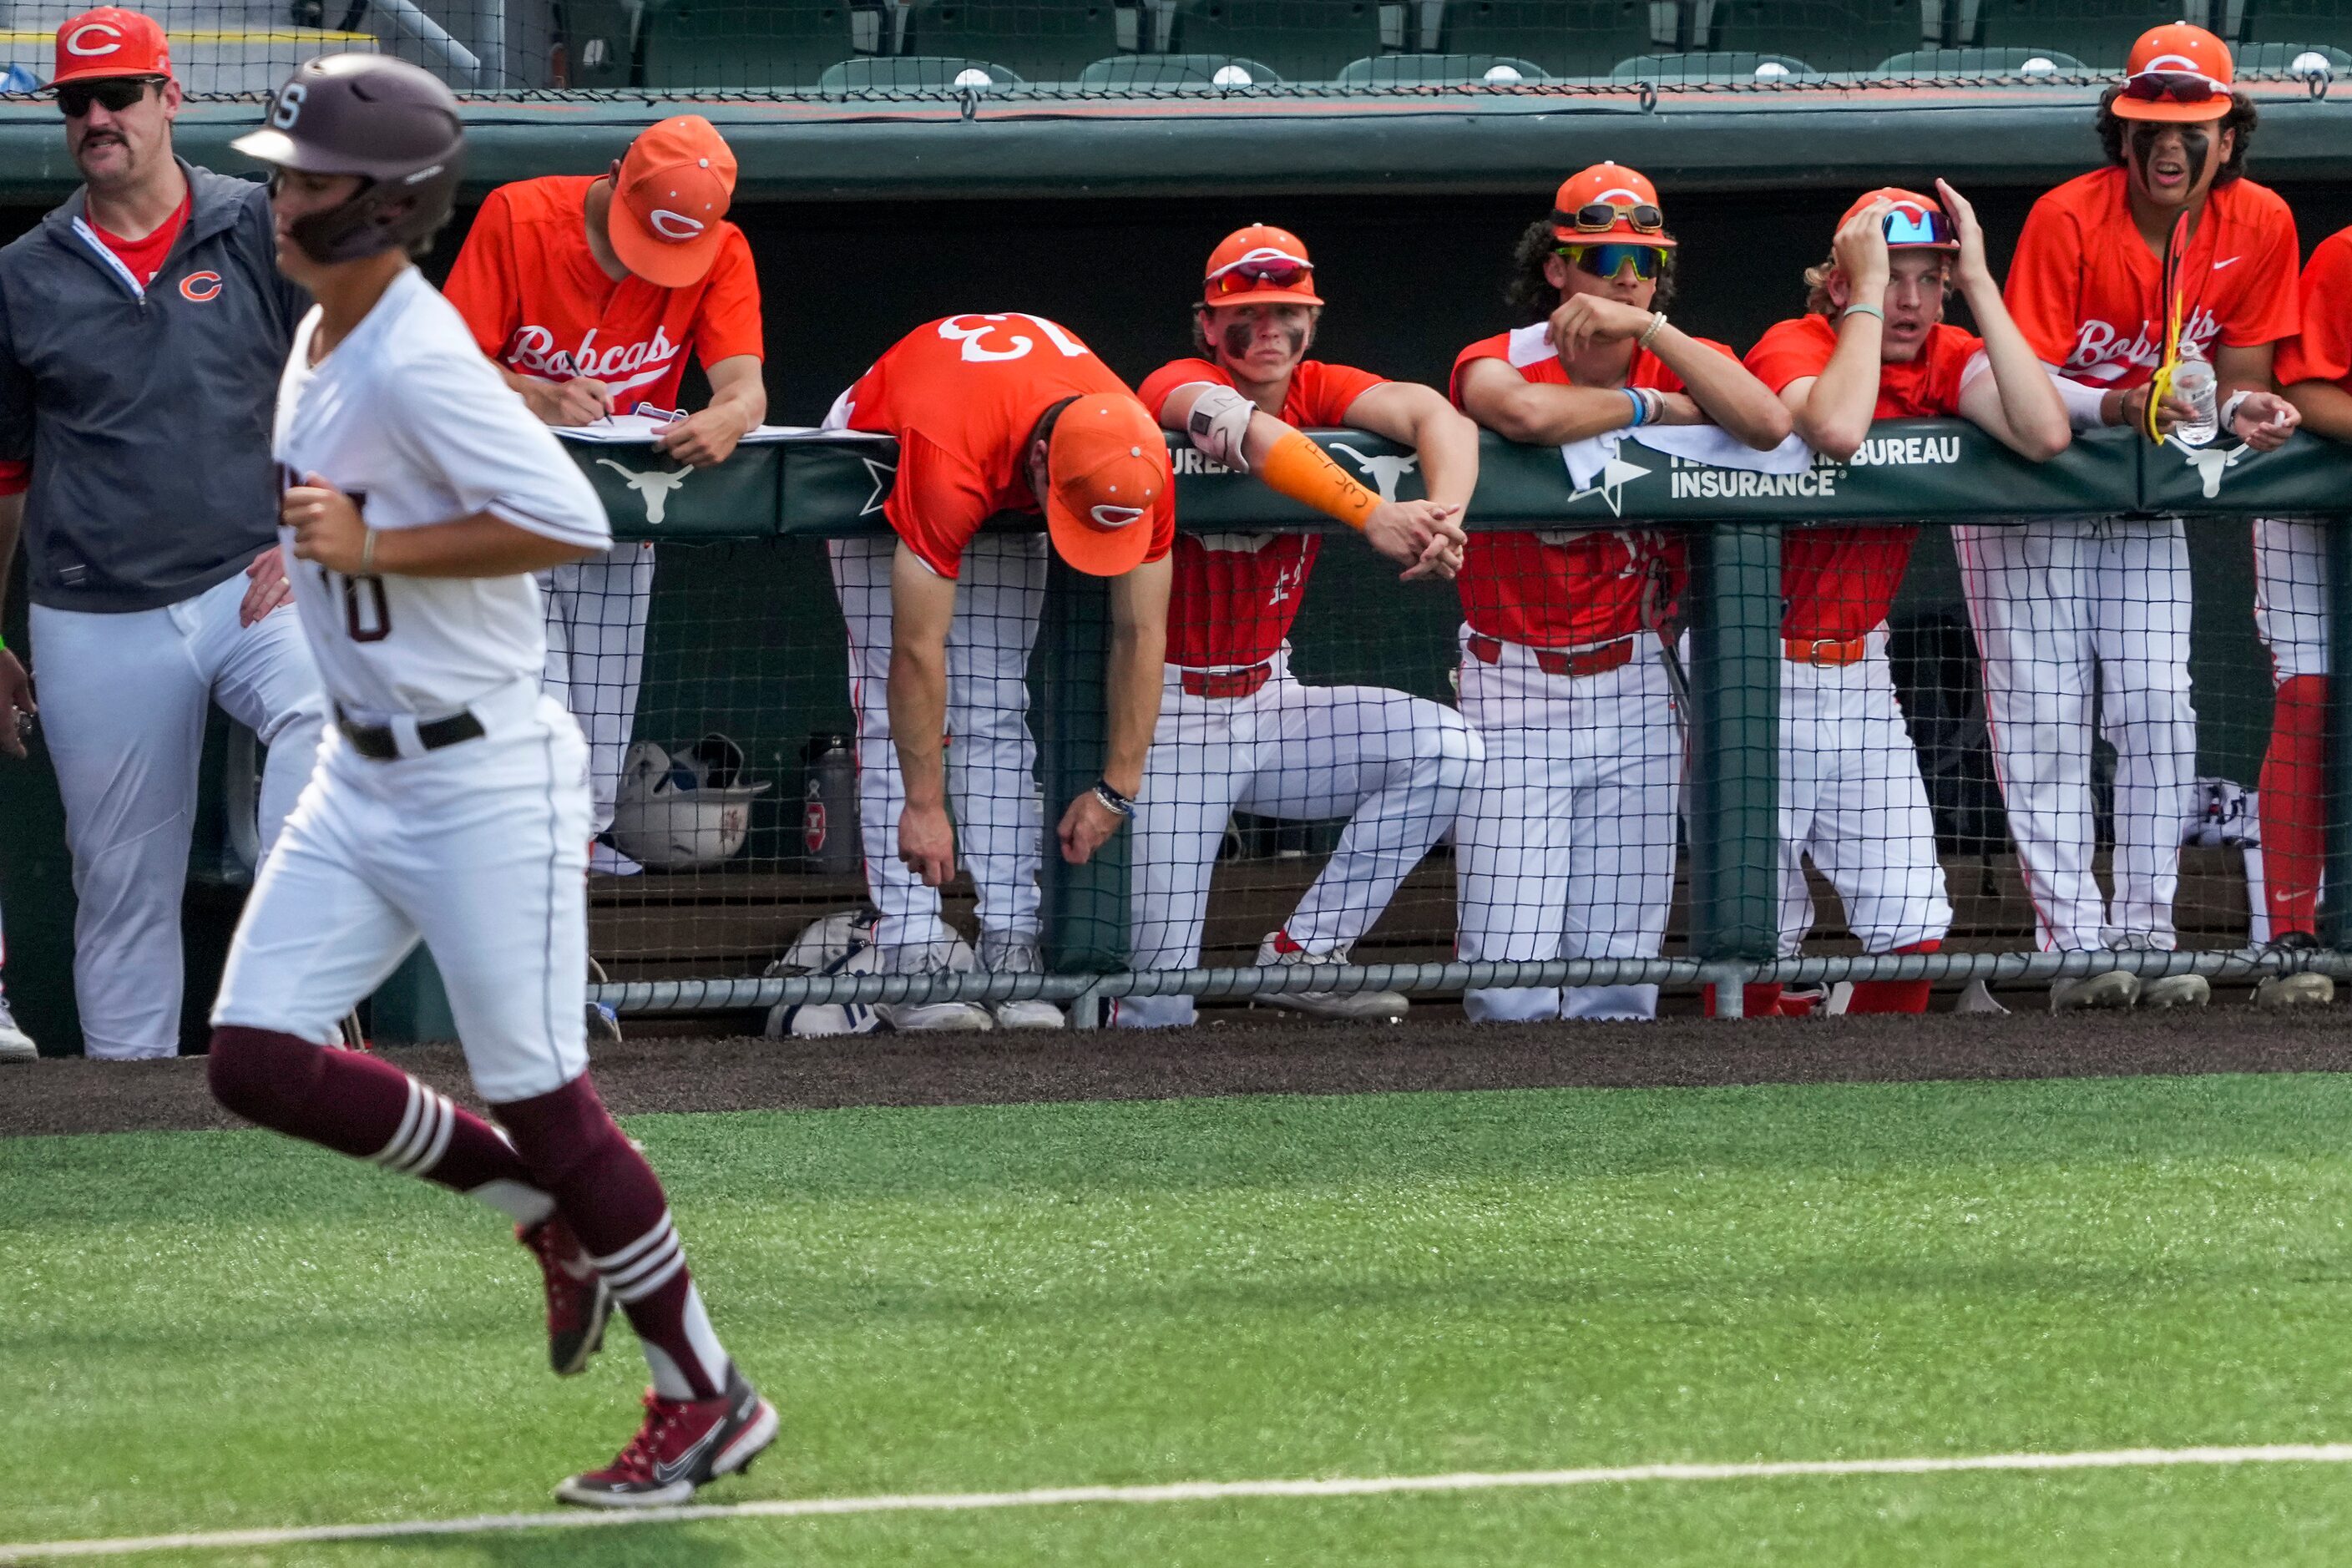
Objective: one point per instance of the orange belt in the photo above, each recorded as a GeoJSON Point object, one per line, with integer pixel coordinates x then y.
{"type": "Point", "coordinates": [1226, 683]}
{"type": "Point", "coordinates": [1828, 653]}
{"type": "Point", "coordinates": [1598, 660]}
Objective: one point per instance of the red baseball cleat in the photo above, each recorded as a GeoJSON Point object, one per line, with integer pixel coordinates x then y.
{"type": "Point", "coordinates": [683, 1444]}
{"type": "Point", "coordinates": [579, 1303]}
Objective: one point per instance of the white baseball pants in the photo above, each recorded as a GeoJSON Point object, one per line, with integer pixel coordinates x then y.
{"type": "Point", "coordinates": [479, 848]}
{"type": "Point", "coordinates": [1851, 801]}
{"type": "Point", "coordinates": [2055, 602]}
{"type": "Point", "coordinates": [596, 613]}
{"type": "Point", "coordinates": [1565, 847]}
{"type": "Point", "coordinates": [1395, 764]}
{"type": "Point", "coordinates": [123, 701]}
{"type": "Point", "coordinates": [2291, 596]}
{"type": "Point", "coordinates": [992, 756]}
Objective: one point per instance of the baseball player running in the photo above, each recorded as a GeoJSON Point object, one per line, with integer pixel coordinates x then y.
{"type": "Point", "coordinates": [588, 292]}
{"type": "Point", "coordinates": [451, 800]}
{"type": "Point", "coordinates": [2171, 230]}
{"type": "Point", "coordinates": [143, 328]}
{"type": "Point", "coordinates": [1872, 344]}
{"type": "Point", "coordinates": [1566, 847]}
{"type": "Point", "coordinates": [1236, 729]}
{"type": "Point", "coordinates": [993, 412]}
{"type": "Point", "coordinates": [2291, 612]}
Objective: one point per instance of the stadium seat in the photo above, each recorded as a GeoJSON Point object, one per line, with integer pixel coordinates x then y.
{"type": "Point", "coordinates": [2098, 31]}
{"type": "Point", "coordinates": [1926, 64]}
{"type": "Point", "coordinates": [1167, 73]}
{"type": "Point", "coordinates": [1712, 66]}
{"type": "Point", "coordinates": [2282, 57]}
{"type": "Point", "coordinates": [1304, 40]}
{"type": "Point", "coordinates": [731, 43]}
{"type": "Point", "coordinates": [908, 73]}
{"type": "Point", "coordinates": [1438, 71]}
{"type": "Point", "coordinates": [602, 42]}
{"type": "Point", "coordinates": [1036, 40]}
{"type": "Point", "coordinates": [1567, 38]}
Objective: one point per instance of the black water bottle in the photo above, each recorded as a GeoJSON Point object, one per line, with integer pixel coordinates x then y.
{"type": "Point", "coordinates": [829, 806]}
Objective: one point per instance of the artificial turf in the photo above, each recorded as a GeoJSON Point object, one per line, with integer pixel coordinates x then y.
{"type": "Point", "coordinates": [210, 1330]}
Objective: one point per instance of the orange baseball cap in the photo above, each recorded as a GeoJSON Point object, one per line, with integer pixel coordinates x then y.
{"type": "Point", "coordinates": [1260, 265]}
{"type": "Point", "coordinates": [111, 41]}
{"type": "Point", "coordinates": [2179, 72]}
{"type": "Point", "coordinates": [1917, 222]}
{"type": "Point", "coordinates": [1634, 212]}
{"type": "Point", "coordinates": [1106, 468]}
{"type": "Point", "coordinates": [675, 182]}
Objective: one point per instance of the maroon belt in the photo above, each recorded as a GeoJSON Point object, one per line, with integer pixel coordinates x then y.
{"type": "Point", "coordinates": [1598, 660]}
{"type": "Point", "coordinates": [1227, 682]}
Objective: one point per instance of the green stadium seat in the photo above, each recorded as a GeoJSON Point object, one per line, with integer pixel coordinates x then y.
{"type": "Point", "coordinates": [1438, 71]}
{"type": "Point", "coordinates": [2098, 31]}
{"type": "Point", "coordinates": [908, 73]}
{"type": "Point", "coordinates": [1848, 36]}
{"type": "Point", "coordinates": [2282, 57]}
{"type": "Point", "coordinates": [1305, 40]}
{"type": "Point", "coordinates": [1566, 37]}
{"type": "Point", "coordinates": [1712, 66]}
{"type": "Point", "coordinates": [602, 42]}
{"type": "Point", "coordinates": [731, 43]}
{"type": "Point", "coordinates": [1168, 73]}
{"type": "Point", "coordinates": [1924, 63]}
{"type": "Point", "coordinates": [1041, 40]}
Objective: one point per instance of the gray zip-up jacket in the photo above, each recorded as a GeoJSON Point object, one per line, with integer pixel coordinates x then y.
{"type": "Point", "coordinates": [146, 413]}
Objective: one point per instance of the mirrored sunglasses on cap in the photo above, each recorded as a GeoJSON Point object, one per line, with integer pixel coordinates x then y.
{"type": "Point", "coordinates": [1600, 217]}
{"type": "Point", "coordinates": [1607, 260]}
{"type": "Point", "coordinates": [116, 92]}
{"type": "Point", "coordinates": [1278, 268]}
{"type": "Point", "coordinates": [1914, 226]}
{"type": "Point", "coordinates": [2174, 87]}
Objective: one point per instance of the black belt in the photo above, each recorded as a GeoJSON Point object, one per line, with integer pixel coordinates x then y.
{"type": "Point", "coordinates": [379, 744]}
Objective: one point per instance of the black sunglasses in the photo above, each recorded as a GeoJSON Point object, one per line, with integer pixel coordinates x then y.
{"type": "Point", "coordinates": [116, 92]}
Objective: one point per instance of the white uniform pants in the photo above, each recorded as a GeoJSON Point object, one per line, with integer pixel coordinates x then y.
{"type": "Point", "coordinates": [2053, 601]}
{"type": "Point", "coordinates": [991, 760]}
{"type": "Point", "coordinates": [481, 849]}
{"type": "Point", "coordinates": [1851, 801]}
{"type": "Point", "coordinates": [2291, 596]}
{"type": "Point", "coordinates": [596, 613]}
{"type": "Point", "coordinates": [1395, 764]}
{"type": "Point", "coordinates": [1566, 846]}
{"type": "Point", "coordinates": [123, 701]}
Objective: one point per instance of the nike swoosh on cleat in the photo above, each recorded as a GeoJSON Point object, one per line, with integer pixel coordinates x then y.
{"type": "Point", "coordinates": [677, 1470]}
{"type": "Point", "coordinates": [2218, 265]}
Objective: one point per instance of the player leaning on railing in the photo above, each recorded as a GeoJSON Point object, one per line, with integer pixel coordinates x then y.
{"type": "Point", "coordinates": [1874, 344]}
{"type": "Point", "coordinates": [1566, 847]}
{"type": "Point", "coordinates": [1237, 728]}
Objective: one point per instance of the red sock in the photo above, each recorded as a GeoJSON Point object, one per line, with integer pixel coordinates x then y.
{"type": "Point", "coordinates": [364, 1107]}
{"type": "Point", "coordinates": [2292, 792]}
{"type": "Point", "coordinates": [1757, 1001]}
{"type": "Point", "coordinates": [614, 1202]}
{"type": "Point", "coordinates": [1892, 995]}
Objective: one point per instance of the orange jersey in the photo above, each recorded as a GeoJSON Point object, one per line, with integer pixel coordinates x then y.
{"type": "Point", "coordinates": [2086, 288]}
{"type": "Point", "coordinates": [2323, 351]}
{"type": "Point", "coordinates": [537, 302]}
{"type": "Point", "coordinates": [1839, 582]}
{"type": "Point", "coordinates": [1576, 587]}
{"type": "Point", "coordinates": [1236, 595]}
{"type": "Point", "coordinates": [963, 395]}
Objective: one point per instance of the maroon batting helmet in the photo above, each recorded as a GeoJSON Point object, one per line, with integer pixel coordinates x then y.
{"type": "Point", "coordinates": [384, 120]}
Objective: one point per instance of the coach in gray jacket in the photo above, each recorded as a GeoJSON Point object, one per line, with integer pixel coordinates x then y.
{"type": "Point", "coordinates": [143, 328]}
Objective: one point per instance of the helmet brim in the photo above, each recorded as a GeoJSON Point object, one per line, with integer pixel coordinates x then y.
{"type": "Point", "coordinates": [277, 147]}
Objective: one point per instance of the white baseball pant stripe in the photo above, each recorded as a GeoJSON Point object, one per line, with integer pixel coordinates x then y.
{"type": "Point", "coordinates": [991, 759]}
{"type": "Point", "coordinates": [1395, 764]}
{"type": "Point", "coordinates": [480, 850]}
{"type": "Point", "coordinates": [2291, 596]}
{"type": "Point", "coordinates": [597, 612]}
{"type": "Point", "coordinates": [1853, 802]}
{"type": "Point", "coordinates": [2055, 603]}
{"type": "Point", "coordinates": [123, 701]}
{"type": "Point", "coordinates": [1566, 845]}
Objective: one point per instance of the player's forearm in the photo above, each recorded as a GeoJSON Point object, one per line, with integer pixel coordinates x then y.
{"type": "Point", "coordinates": [1837, 408]}
{"type": "Point", "coordinates": [12, 524]}
{"type": "Point", "coordinates": [739, 386]}
{"type": "Point", "coordinates": [918, 711]}
{"type": "Point", "coordinates": [1448, 445]}
{"type": "Point", "coordinates": [1724, 387]}
{"type": "Point", "coordinates": [2246, 369]}
{"type": "Point", "coordinates": [1136, 653]}
{"type": "Point", "coordinates": [2325, 407]}
{"type": "Point", "coordinates": [1541, 414]}
{"type": "Point", "coordinates": [482, 545]}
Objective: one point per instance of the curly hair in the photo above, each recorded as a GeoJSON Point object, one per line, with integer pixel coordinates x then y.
{"type": "Point", "coordinates": [1530, 294]}
{"type": "Point", "coordinates": [2241, 119]}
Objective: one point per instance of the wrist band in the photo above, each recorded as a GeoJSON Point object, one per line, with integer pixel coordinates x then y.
{"type": "Point", "coordinates": [1657, 324]}
{"type": "Point", "coordinates": [2230, 409]}
{"type": "Point", "coordinates": [1297, 468]}
{"type": "Point", "coordinates": [1656, 401]}
{"type": "Point", "coordinates": [1118, 803]}
{"type": "Point", "coordinates": [367, 553]}
{"type": "Point", "coordinates": [1641, 408]}
{"type": "Point", "coordinates": [1867, 310]}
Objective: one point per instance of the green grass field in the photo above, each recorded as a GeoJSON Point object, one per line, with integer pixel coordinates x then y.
{"type": "Point", "coordinates": [210, 1331]}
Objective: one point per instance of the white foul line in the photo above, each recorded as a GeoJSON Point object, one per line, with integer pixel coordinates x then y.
{"type": "Point", "coordinates": [1189, 1492]}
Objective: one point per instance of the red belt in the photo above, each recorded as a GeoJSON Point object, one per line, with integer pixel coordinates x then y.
{"type": "Point", "coordinates": [1825, 652]}
{"type": "Point", "coordinates": [1598, 660]}
{"type": "Point", "coordinates": [1226, 683]}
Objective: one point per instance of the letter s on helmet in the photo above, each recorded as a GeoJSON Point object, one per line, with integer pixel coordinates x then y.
{"type": "Point", "coordinates": [391, 124]}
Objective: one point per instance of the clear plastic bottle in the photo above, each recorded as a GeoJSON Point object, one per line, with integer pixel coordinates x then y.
{"type": "Point", "coordinates": [2192, 383]}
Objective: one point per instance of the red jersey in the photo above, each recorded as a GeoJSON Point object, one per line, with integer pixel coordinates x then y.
{"type": "Point", "coordinates": [1569, 587]}
{"type": "Point", "coordinates": [537, 302]}
{"type": "Point", "coordinates": [1236, 595]}
{"type": "Point", "coordinates": [2323, 351]}
{"type": "Point", "coordinates": [2086, 288]}
{"type": "Point", "coordinates": [1839, 582]}
{"type": "Point", "coordinates": [962, 394]}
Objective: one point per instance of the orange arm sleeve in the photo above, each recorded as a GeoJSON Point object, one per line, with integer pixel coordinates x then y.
{"type": "Point", "coordinates": [1297, 468]}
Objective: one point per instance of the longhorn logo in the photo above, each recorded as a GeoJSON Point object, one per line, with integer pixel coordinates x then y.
{"type": "Point", "coordinates": [2212, 463]}
{"type": "Point", "coordinates": [654, 489]}
{"type": "Point", "coordinates": [1384, 472]}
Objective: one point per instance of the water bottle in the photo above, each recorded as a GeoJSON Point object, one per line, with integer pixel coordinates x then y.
{"type": "Point", "coordinates": [829, 806]}
{"type": "Point", "coordinates": [2192, 383]}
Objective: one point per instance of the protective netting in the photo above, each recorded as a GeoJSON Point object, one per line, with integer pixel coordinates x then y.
{"type": "Point", "coordinates": [1059, 49]}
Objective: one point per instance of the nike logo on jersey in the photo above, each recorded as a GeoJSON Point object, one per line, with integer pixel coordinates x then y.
{"type": "Point", "coordinates": [2218, 265]}
{"type": "Point", "coordinates": [620, 366]}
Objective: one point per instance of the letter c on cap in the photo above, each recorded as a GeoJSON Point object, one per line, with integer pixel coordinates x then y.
{"type": "Point", "coordinates": [674, 226]}
{"type": "Point", "coordinates": [107, 30]}
{"type": "Point", "coordinates": [1115, 516]}
{"type": "Point", "coordinates": [199, 287]}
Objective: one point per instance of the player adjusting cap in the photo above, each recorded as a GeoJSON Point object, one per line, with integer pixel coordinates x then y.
{"type": "Point", "coordinates": [1916, 222]}
{"type": "Point", "coordinates": [1633, 214]}
{"type": "Point", "coordinates": [677, 180]}
{"type": "Point", "coordinates": [1106, 468]}
{"type": "Point", "coordinates": [2176, 72]}
{"type": "Point", "coordinates": [1260, 265]}
{"type": "Point", "coordinates": [112, 41]}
